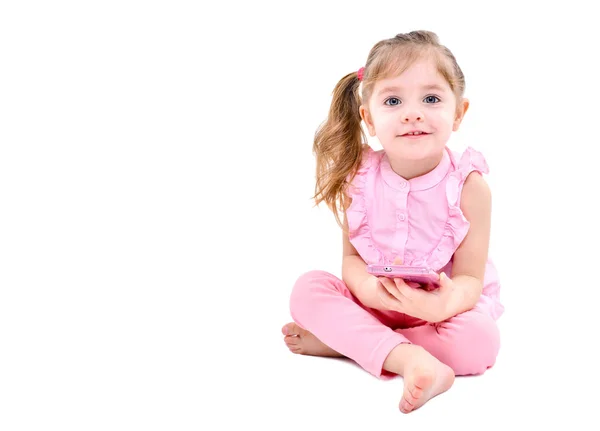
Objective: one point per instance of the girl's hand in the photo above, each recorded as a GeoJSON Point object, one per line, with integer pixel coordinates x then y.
{"type": "Point", "coordinates": [428, 305]}
{"type": "Point", "coordinates": [374, 295]}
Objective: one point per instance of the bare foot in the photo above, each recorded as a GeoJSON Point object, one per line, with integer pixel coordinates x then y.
{"type": "Point", "coordinates": [303, 342]}
{"type": "Point", "coordinates": [424, 378]}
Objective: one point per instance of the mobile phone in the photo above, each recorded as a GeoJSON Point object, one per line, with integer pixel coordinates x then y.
{"type": "Point", "coordinates": [417, 274]}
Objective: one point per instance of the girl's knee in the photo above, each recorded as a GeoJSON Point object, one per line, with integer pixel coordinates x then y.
{"type": "Point", "coordinates": [308, 287]}
{"type": "Point", "coordinates": [475, 342]}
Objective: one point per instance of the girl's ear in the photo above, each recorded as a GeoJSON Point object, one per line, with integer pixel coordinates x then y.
{"type": "Point", "coordinates": [461, 110]}
{"type": "Point", "coordinates": [366, 117]}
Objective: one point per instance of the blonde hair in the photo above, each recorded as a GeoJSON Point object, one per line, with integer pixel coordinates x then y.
{"type": "Point", "coordinates": [340, 140]}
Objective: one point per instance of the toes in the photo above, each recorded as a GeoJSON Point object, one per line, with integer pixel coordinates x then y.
{"type": "Point", "coordinates": [415, 393]}
{"type": "Point", "coordinates": [293, 343]}
{"type": "Point", "coordinates": [405, 406]}
{"type": "Point", "coordinates": [291, 340]}
{"type": "Point", "coordinates": [412, 394]}
{"type": "Point", "coordinates": [295, 349]}
{"type": "Point", "coordinates": [290, 329]}
{"type": "Point", "coordinates": [292, 337]}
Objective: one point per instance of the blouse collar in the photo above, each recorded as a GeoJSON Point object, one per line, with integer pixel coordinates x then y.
{"type": "Point", "coordinates": [422, 182]}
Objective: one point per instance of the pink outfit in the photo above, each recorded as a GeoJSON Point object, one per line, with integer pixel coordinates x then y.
{"type": "Point", "coordinates": [419, 220]}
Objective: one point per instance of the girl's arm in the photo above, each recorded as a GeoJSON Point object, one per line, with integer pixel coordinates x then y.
{"type": "Point", "coordinates": [364, 286]}
{"type": "Point", "coordinates": [469, 261]}
{"type": "Point", "coordinates": [354, 268]}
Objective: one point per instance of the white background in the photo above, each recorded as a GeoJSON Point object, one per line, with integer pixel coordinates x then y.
{"type": "Point", "coordinates": [155, 182]}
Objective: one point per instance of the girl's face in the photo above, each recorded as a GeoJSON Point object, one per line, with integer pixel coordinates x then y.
{"type": "Point", "coordinates": [419, 100]}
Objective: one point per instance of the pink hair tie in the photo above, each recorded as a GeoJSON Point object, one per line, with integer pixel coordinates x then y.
{"type": "Point", "coordinates": [361, 73]}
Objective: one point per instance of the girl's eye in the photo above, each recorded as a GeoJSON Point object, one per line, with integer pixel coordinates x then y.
{"type": "Point", "coordinates": [392, 101]}
{"type": "Point", "coordinates": [432, 99]}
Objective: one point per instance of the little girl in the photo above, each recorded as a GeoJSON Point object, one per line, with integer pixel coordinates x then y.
{"type": "Point", "coordinates": [415, 202]}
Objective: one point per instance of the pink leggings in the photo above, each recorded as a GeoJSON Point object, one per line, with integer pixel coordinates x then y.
{"type": "Point", "coordinates": [322, 304]}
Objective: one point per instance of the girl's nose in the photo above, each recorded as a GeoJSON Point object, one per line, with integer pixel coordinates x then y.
{"type": "Point", "coordinates": [412, 116]}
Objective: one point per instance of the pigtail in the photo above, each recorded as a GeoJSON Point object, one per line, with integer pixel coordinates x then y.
{"type": "Point", "coordinates": [338, 145]}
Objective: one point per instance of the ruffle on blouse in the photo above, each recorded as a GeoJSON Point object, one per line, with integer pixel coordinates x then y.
{"type": "Point", "coordinates": [457, 225]}
{"type": "Point", "coordinates": [358, 228]}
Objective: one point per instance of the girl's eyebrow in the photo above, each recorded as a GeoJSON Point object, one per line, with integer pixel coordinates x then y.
{"type": "Point", "coordinates": [393, 89]}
